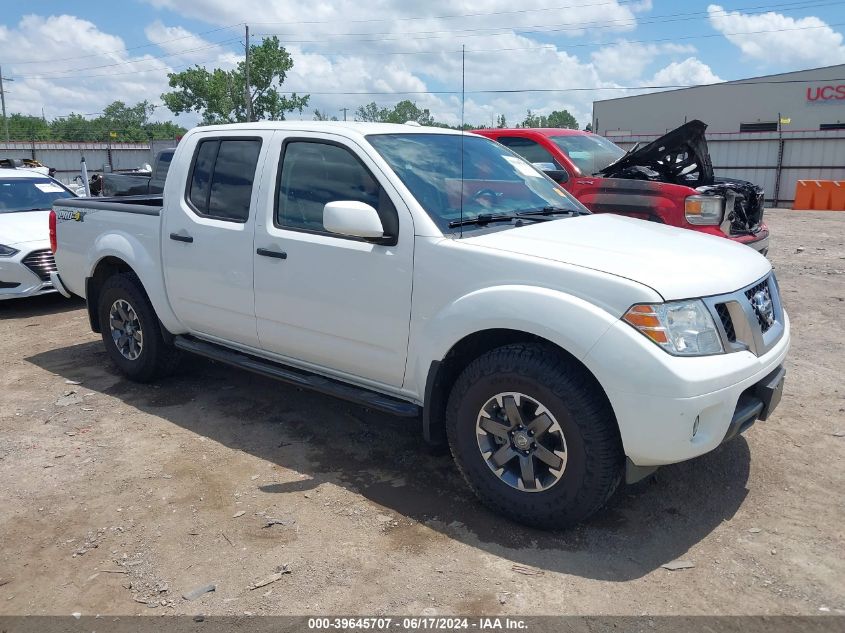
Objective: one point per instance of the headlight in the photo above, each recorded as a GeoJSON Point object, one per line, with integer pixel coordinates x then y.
{"type": "Point", "coordinates": [682, 328]}
{"type": "Point", "coordinates": [7, 251]}
{"type": "Point", "coordinates": [704, 209]}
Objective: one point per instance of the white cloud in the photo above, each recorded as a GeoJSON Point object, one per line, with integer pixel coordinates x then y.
{"type": "Point", "coordinates": [689, 72]}
{"type": "Point", "coordinates": [796, 42]}
{"type": "Point", "coordinates": [626, 60]}
{"type": "Point", "coordinates": [182, 46]}
{"type": "Point", "coordinates": [503, 51]}
{"type": "Point", "coordinates": [45, 56]}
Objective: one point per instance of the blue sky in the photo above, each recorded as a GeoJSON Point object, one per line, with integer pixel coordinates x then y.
{"type": "Point", "coordinates": [79, 56]}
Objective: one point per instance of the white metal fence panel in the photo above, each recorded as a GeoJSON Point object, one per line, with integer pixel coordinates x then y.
{"type": "Point", "coordinates": [775, 161]}
{"type": "Point", "coordinates": [65, 157]}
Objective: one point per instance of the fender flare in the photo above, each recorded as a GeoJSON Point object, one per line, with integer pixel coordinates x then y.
{"type": "Point", "coordinates": [126, 248]}
{"type": "Point", "coordinates": [530, 310]}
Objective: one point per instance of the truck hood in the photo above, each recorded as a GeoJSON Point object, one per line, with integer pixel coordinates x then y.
{"type": "Point", "coordinates": [24, 226]}
{"type": "Point", "coordinates": [679, 157]}
{"type": "Point", "coordinates": [677, 263]}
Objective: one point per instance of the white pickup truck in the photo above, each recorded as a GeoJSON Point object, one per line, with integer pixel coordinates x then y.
{"type": "Point", "coordinates": [428, 273]}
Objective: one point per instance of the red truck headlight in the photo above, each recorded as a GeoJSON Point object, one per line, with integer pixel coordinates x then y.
{"type": "Point", "coordinates": [704, 209]}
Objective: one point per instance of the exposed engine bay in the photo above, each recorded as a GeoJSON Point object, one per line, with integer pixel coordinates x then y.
{"type": "Point", "coordinates": [681, 157]}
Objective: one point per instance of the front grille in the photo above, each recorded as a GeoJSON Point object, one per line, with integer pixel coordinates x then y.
{"type": "Point", "coordinates": [41, 263]}
{"type": "Point", "coordinates": [763, 285]}
{"type": "Point", "coordinates": [4, 285]}
{"type": "Point", "coordinates": [727, 322]}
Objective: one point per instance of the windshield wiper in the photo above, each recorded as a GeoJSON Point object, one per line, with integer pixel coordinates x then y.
{"type": "Point", "coordinates": [550, 210]}
{"type": "Point", "coordinates": [484, 219]}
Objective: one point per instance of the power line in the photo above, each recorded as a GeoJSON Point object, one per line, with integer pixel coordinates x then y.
{"type": "Point", "coordinates": [137, 61]}
{"type": "Point", "coordinates": [492, 13]}
{"type": "Point", "coordinates": [539, 28]}
{"type": "Point", "coordinates": [554, 47]}
{"type": "Point", "coordinates": [131, 48]}
{"type": "Point", "coordinates": [570, 89]}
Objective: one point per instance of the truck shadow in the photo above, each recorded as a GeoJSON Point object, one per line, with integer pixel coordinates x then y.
{"type": "Point", "coordinates": [39, 305]}
{"type": "Point", "coordinates": [385, 460]}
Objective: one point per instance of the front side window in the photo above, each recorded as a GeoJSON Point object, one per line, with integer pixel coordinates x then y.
{"type": "Point", "coordinates": [530, 150]}
{"type": "Point", "coordinates": [30, 194]}
{"type": "Point", "coordinates": [456, 178]}
{"type": "Point", "coordinates": [313, 174]}
{"type": "Point", "coordinates": [222, 177]}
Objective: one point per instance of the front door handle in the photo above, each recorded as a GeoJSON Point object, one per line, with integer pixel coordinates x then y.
{"type": "Point", "coordinates": [266, 252]}
{"type": "Point", "coordinates": [181, 238]}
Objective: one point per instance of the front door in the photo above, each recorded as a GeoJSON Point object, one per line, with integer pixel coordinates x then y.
{"type": "Point", "coordinates": [338, 303]}
{"type": "Point", "coordinates": [208, 239]}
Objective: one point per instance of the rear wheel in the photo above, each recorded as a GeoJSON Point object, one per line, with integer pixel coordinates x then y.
{"type": "Point", "coordinates": [131, 331]}
{"type": "Point", "coordinates": [534, 436]}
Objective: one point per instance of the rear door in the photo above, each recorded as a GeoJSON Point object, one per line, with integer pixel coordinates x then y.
{"type": "Point", "coordinates": [338, 303]}
{"type": "Point", "coordinates": [208, 237]}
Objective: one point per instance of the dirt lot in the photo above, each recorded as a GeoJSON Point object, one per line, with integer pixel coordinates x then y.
{"type": "Point", "coordinates": [118, 498]}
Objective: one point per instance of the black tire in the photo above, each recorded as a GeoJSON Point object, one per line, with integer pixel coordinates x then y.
{"type": "Point", "coordinates": [593, 449]}
{"type": "Point", "coordinates": [155, 358]}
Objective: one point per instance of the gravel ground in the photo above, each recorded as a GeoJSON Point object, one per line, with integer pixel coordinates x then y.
{"type": "Point", "coordinates": [119, 498]}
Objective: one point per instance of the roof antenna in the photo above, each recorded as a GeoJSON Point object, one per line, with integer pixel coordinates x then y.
{"type": "Point", "coordinates": [463, 79]}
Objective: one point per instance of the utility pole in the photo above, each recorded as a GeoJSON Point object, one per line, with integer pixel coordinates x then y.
{"type": "Point", "coordinates": [344, 110]}
{"type": "Point", "coordinates": [3, 100]}
{"type": "Point", "coordinates": [247, 94]}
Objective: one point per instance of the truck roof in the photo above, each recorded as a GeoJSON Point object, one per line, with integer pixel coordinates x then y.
{"type": "Point", "coordinates": [354, 127]}
{"type": "Point", "coordinates": [540, 131]}
{"type": "Point", "coordinates": [21, 172]}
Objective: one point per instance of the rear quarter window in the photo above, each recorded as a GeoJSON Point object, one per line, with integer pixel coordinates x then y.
{"type": "Point", "coordinates": [222, 175]}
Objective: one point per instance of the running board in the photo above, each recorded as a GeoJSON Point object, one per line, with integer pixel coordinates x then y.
{"type": "Point", "coordinates": [298, 378]}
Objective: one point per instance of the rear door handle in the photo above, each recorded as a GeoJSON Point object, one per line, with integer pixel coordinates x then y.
{"type": "Point", "coordinates": [181, 238]}
{"type": "Point", "coordinates": [266, 252]}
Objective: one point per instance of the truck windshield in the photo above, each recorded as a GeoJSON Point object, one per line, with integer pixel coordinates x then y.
{"type": "Point", "coordinates": [590, 153]}
{"type": "Point", "coordinates": [495, 180]}
{"type": "Point", "coordinates": [29, 194]}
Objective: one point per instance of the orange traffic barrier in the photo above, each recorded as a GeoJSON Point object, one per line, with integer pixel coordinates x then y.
{"type": "Point", "coordinates": [837, 196]}
{"type": "Point", "coordinates": [819, 195]}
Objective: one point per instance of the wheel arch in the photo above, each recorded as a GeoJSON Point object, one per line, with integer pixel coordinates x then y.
{"type": "Point", "coordinates": [443, 373]}
{"type": "Point", "coordinates": [105, 268]}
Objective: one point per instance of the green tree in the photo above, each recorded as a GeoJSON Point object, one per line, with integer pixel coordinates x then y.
{"type": "Point", "coordinates": [126, 123]}
{"type": "Point", "coordinates": [501, 121]}
{"type": "Point", "coordinates": [561, 118]}
{"type": "Point", "coordinates": [371, 113]}
{"type": "Point", "coordinates": [402, 112]}
{"type": "Point", "coordinates": [218, 95]}
{"type": "Point", "coordinates": [23, 127]}
{"type": "Point", "coordinates": [558, 118]}
{"type": "Point", "coordinates": [75, 127]}
{"type": "Point", "coordinates": [323, 116]}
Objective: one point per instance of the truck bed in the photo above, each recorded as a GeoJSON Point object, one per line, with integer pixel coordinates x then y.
{"type": "Point", "coordinates": [90, 229]}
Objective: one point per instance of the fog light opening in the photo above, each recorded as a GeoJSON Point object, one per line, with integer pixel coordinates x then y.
{"type": "Point", "coordinates": [695, 426]}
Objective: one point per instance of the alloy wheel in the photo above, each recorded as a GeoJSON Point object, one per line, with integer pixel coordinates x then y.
{"type": "Point", "coordinates": [521, 442]}
{"type": "Point", "coordinates": [126, 329]}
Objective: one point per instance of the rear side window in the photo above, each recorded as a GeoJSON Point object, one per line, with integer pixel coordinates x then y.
{"type": "Point", "coordinates": [313, 174]}
{"type": "Point", "coordinates": [222, 177]}
{"type": "Point", "coordinates": [530, 150]}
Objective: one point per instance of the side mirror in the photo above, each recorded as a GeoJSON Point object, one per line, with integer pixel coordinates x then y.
{"type": "Point", "coordinates": [551, 170]}
{"type": "Point", "coordinates": [353, 219]}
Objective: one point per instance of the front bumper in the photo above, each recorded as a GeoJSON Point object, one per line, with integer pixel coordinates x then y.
{"type": "Point", "coordinates": [759, 241]}
{"type": "Point", "coordinates": [17, 280]}
{"type": "Point", "coordinates": [671, 409]}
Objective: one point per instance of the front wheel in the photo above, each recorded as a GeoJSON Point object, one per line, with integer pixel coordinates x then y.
{"type": "Point", "coordinates": [131, 331]}
{"type": "Point", "coordinates": [534, 436]}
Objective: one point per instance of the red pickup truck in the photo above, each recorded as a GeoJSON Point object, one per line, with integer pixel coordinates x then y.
{"type": "Point", "coordinates": [669, 180]}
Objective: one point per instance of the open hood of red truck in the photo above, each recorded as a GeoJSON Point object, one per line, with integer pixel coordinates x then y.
{"type": "Point", "coordinates": [679, 157]}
